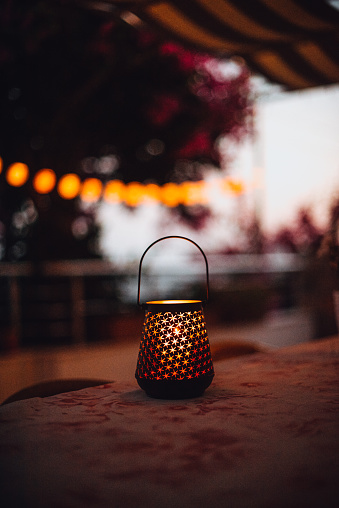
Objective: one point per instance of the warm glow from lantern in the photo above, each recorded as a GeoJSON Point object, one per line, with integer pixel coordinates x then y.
{"type": "Point", "coordinates": [134, 194]}
{"type": "Point", "coordinates": [173, 301]}
{"type": "Point", "coordinates": [171, 194]}
{"type": "Point", "coordinates": [17, 174]}
{"type": "Point", "coordinates": [44, 181]}
{"type": "Point", "coordinates": [174, 346]}
{"type": "Point", "coordinates": [91, 190]}
{"type": "Point", "coordinates": [114, 191]}
{"type": "Point", "coordinates": [1, 164]}
{"type": "Point", "coordinates": [69, 186]}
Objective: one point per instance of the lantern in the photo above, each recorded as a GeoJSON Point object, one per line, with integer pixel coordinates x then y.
{"type": "Point", "coordinates": [174, 360]}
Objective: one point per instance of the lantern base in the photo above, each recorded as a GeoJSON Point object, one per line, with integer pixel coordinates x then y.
{"type": "Point", "coordinates": [168, 389]}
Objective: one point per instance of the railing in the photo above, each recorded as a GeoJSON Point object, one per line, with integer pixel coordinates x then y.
{"type": "Point", "coordinates": [73, 300]}
{"type": "Point", "coordinates": [54, 299]}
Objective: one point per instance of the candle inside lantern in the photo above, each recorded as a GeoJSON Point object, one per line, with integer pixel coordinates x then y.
{"type": "Point", "coordinates": [174, 357]}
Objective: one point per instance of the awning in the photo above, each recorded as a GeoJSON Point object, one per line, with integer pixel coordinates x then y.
{"type": "Point", "coordinates": [291, 42]}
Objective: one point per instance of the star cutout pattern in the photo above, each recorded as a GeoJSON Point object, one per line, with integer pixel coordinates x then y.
{"type": "Point", "coordinates": [174, 346]}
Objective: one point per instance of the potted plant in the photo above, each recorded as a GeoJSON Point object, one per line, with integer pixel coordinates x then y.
{"type": "Point", "coordinates": [330, 249]}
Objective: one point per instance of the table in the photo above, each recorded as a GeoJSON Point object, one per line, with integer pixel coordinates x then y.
{"type": "Point", "coordinates": [265, 434]}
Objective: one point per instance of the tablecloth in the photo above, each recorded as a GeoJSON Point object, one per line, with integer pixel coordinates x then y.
{"type": "Point", "coordinates": [265, 434]}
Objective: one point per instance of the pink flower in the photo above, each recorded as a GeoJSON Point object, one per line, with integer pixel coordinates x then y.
{"type": "Point", "coordinates": [198, 144]}
{"type": "Point", "coordinates": [163, 109]}
{"type": "Point", "coordinates": [186, 59]}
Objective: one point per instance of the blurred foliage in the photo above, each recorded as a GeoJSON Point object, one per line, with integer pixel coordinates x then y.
{"type": "Point", "coordinates": [79, 86]}
{"type": "Point", "coordinates": [303, 237]}
{"type": "Point", "coordinates": [329, 248]}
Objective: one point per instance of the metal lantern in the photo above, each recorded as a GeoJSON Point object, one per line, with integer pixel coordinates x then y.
{"type": "Point", "coordinates": [174, 360]}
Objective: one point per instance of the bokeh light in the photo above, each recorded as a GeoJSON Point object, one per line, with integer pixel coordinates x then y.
{"type": "Point", "coordinates": [234, 186]}
{"type": "Point", "coordinates": [114, 191]}
{"type": "Point", "coordinates": [134, 194]}
{"type": "Point", "coordinates": [171, 194]}
{"type": "Point", "coordinates": [69, 186]}
{"type": "Point", "coordinates": [152, 192]}
{"type": "Point", "coordinates": [194, 193]}
{"type": "Point", "coordinates": [17, 174]}
{"type": "Point", "coordinates": [91, 190]}
{"type": "Point", "coordinates": [80, 228]}
{"type": "Point", "coordinates": [44, 181]}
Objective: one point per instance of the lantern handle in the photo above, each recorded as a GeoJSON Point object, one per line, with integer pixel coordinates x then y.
{"type": "Point", "coordinates": [182, 238]}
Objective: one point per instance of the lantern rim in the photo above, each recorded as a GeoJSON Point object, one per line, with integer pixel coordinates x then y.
{"type": "Point", "coordinates": [171, 302]}
{"type": "Point", "coordinates": [173, 305]}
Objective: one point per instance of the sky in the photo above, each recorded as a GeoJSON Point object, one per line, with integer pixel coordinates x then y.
{"type": "Point", "coordinates": [292, 163]}
{"type": "Point", "coordinates": [299, 154]}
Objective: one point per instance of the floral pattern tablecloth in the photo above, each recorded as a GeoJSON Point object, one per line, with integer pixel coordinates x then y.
{"type": "Point", "coordinates": [265, 434]}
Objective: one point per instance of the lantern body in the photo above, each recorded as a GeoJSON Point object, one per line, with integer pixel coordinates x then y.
{"type": "Point", "coordinates": [174, 360]}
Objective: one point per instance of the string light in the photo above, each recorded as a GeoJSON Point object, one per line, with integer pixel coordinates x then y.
{"type": "Point", "coordinates": [132, 194]}
{"type": "Point", "coordinates": [170, 194]}
{"type": "Point", "coordinates": [114, 191]}
{"type": "Point", "coordinates": [233, 186]}
{"type": "Point", "coordinates": [194, 193]}
{"type": "Point", "coordinates": [69, 186]}
{"type": "Point", "coordinates": [44, 181]}
{"type": "Point", "coordinates": [91, 190]}
{"type": "Point", "coordinates": [17, 174]}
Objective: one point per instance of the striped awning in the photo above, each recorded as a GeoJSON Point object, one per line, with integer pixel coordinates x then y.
{"type": "Point", "coordinates": [290, 42]}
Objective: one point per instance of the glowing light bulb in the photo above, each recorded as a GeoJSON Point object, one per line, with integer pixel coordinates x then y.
{"type": "Point", "coordinates": [152, 192]}
{"type": "Point", "coordinates": [170, 194]}
{"type": "Point", "coordinates": [194, 193]}
{"type": "Point", "coordinates": [134, 194]}
{"type": "Point", "coordinates": [233, 186]}
{"type": "Point", "coordinates": [69, 186]}
{"type": "Point", "coordinates": [114, 191]}
{"type": "Point", "coordinates": [44, 181]}
{"type": "Point", "coordinates": [17, 174]}
{"type": "Point", "coordinates": [91, 190]}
